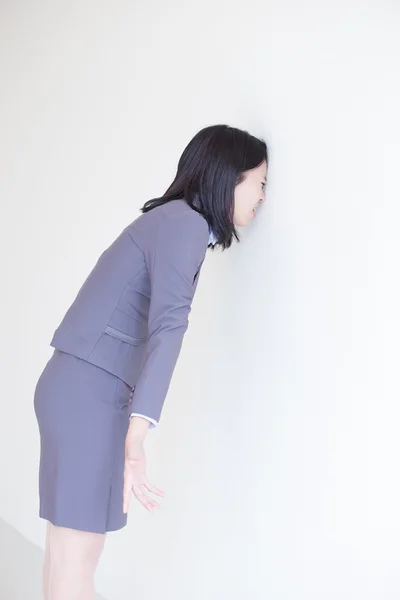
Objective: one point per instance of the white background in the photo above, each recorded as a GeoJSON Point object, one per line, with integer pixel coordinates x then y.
{"type": "Point", "coordinates": [278, 447]}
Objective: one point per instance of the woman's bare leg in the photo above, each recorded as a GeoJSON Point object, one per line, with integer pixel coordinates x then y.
{"type": "Point", "coordinates": [72, 559]}
{"type": "Point", "coordinates": [46, 564]}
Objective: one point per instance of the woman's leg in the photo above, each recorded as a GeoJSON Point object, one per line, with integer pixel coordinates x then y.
{"type": "Point", "coordinates": [46, 564]}
{"type": "Point", "coordinates": [72, 558]}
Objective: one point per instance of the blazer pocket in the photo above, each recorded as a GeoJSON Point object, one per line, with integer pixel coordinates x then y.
{"type": "Point", "coordinates": [127, 324]}
{"type": "Point", "coordinates": [125, 337]}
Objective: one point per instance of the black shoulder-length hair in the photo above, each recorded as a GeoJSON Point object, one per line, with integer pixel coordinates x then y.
{"type": "Point", "coordinates": [210, 167]}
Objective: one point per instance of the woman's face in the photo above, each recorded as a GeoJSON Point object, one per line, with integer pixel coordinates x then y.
{"type": "Point", "coordinates": [248, 195]}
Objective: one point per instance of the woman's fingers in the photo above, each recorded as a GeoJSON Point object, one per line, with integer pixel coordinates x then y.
{"type": "Point", "coordinates": [137, 483]}
{"type": "Point", "coordinates": [138, 490]}
{"type": "Point", "coordinates": [152, 488]}
{"type": "Point", "coordinates": [127, 492]}
{"type": "Point", "coordinates": [127, 496]}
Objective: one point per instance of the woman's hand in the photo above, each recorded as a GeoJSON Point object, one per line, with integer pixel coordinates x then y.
{"type": "Point", "coordinates": [135, 479]}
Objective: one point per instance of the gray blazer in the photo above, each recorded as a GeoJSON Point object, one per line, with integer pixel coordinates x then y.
{"type": "Point", "coordinates": [131, 313]}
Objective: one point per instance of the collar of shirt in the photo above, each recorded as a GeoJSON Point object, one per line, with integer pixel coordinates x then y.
{"type": "Point", "coordinates": [212, 238]}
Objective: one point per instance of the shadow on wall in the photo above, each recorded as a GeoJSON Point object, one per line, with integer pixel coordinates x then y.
{"type": "Point", "coordinates": [20, 566]}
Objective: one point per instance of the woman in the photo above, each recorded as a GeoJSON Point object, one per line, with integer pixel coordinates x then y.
{"type": "Point", "coordinates": [116, 348]}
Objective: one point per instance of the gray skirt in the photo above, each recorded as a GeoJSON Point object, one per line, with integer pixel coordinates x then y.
{"type": "Point", "coordinates": [83, 417]}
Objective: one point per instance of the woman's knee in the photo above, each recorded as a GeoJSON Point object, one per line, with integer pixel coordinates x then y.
{"type": "Point", "coordinates": [72, 549]}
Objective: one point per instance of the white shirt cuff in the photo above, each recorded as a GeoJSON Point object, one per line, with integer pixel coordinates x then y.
{"type": "Point", "coordinates": [153, 423]}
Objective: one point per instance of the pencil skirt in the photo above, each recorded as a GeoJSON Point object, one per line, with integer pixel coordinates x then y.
{"type": "Point", "coordinates": [83, 417]}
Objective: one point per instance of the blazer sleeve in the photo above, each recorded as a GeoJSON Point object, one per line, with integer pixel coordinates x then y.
{"type": "Point", "coordinates": [173, 260]}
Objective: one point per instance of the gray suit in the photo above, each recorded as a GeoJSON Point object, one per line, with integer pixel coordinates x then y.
{"type": "Point", "coordinates": [131, 313]}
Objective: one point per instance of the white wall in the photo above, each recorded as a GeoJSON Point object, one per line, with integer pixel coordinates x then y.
{"type": "Point", "coordinates": [278, 448]}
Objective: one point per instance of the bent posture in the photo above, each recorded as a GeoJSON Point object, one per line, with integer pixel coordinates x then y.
{"type": "Point", "coordinates": [117, 346]}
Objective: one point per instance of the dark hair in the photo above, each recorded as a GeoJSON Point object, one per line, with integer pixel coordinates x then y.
{"type": "Point", "coordinates": [210, 167]}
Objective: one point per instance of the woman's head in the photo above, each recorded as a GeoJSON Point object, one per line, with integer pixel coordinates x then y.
{"type": "Point", "coordinates": [222, 174]}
